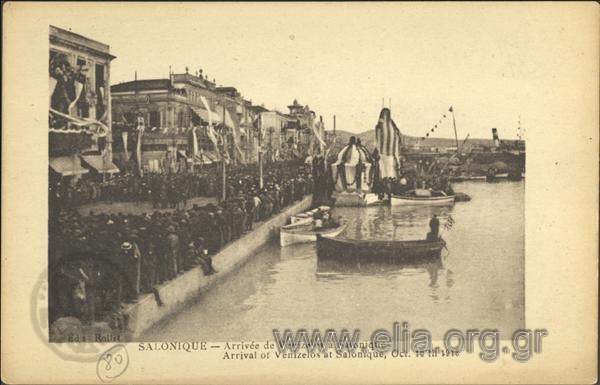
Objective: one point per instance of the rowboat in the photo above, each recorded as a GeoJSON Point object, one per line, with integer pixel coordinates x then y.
{"type": "Point", "coordinates": [372, 199]}
{"type": "Point", "coordinates": [461, 197]}
{"type": "Point", "coordinates": [404, 200]}
{"type": "Point", "coordinates": [495, 177]}
{"type": "Point", "coordinates": [345, 249]}
{"type": "Point", "coordinates": [461, 178]}
{"type": "Point", "coordinates": [306, 217]}
{"type": "Point", "coordinates": [290, 235]}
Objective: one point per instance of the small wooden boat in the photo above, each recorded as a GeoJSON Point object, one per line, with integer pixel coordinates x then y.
{"type": "Point", "coordinates": [308, 215]}
{"type": "Point", "coordinates": [405, 200]}
{"type": "Point", "coordinates": [515, 175]}
{"type": "Point", "coordinates": [372, 199]}
{"type": "Point", "coordinates": [461, 197]}
{"type": "Point", "coordinates": [290, 235]}
{"type": "Point", "coordinates": [462, 178]}
{"type": "Point", "coordinates": [345, 249]}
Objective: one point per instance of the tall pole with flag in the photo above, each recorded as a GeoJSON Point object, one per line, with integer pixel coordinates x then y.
{"type": "Point", "coordinates": [454, 123]}
{"type": "Point", "coordinates": [260, 150]}
{"type": "Point", "coordinates": [224, 165]}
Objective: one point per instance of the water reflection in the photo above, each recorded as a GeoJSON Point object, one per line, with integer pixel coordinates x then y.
{"type": "Point", "coordinates": [391, 223]}
{"type": "Point", "coordinates": [477, 283]}
{"type": "Point", "coordinates": [336, 269]}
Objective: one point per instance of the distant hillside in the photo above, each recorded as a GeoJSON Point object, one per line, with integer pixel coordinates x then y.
{"type": "Point", "coordinates": [368, 139]}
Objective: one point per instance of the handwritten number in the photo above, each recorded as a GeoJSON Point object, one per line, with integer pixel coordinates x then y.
{"type": "Point", "coordinates": [108, 359]}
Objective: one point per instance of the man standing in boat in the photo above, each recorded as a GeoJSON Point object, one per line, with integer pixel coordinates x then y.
{"type": "Point", "coordinates": [434, 226]}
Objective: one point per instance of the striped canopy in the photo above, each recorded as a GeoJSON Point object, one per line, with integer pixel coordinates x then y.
{"type": "Point", "coordinates": [387, 135]}
{"type": "Point", "coordinates": [351, 154]}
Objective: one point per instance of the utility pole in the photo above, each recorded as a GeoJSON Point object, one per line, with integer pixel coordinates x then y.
{"type": "Point", "coordinates": [260, 162]}
{"type": "Point", "coordinates": [224, 165]}
{"type": "Point", "coordinates": [248, 136]}
{"type": "Point", "coordinates": [334, 125]}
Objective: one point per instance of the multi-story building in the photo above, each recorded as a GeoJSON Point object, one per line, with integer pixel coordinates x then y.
{"type": "Point", "coordinates": [175, 110]}
{"type": "Point", "coordinates": [79, 116]}
{"type": "Point", "coordinates": [299, 128]}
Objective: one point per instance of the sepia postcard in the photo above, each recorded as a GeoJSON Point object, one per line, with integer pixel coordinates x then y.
{"type": "Point", "coordinates": [304, 192]}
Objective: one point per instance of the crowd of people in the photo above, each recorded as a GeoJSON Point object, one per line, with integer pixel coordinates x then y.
{"type": "Point", "coordinates": [125, 255]}
{"type": "Point", "coordinates": [410, 179]}
{"type": "Point", "coordinates": [165, 190]}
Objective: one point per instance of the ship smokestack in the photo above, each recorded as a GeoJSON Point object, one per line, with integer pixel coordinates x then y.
{"type": "Point", "coordinates": [495, 137]}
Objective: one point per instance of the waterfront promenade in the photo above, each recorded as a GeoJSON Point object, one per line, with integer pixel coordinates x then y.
{"type": "Point", "coordinates": [171, 297]}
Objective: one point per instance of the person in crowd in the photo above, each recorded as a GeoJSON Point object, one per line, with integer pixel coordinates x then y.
{"type": "Point", "coordinates": [172, 250]}
{"type": "Point", "coordinates": [434, 226]}
{"type": "Point", "coordinates": [131, 263]}
{"type": "Point", "coordinates": [153, 247]}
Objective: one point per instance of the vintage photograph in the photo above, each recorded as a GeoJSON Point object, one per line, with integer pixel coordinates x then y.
{"type": "Point", "coordinates": [193, 198]}
{"type": "Point", "coordinates": [304, 192]}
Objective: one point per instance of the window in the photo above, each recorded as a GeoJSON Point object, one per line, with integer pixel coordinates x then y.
{"type": "Point", "coordinates": [99, 76]}
{"type": "Point", "coordinates": [179, 118]}
{"type": "Point", "coordinates": [154, 120]}
{"type": "Point", "coordinates": [129, 117]}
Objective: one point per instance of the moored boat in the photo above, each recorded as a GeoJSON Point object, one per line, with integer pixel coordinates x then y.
{"type": "Point", "coordinates": [461, 178]}
{"type": "Point", "coordinates": [405, 200]}
{"type": "Point", "coordinates": [372, 199]}
{"type": "Point", "coordinates": [344, 249]}
{"type": "Point", "coordinates": [290, 234]}
{"type": "Point", "coordinates": [306, 217]}
{"type": "Point", "coordinates": [461, 197]}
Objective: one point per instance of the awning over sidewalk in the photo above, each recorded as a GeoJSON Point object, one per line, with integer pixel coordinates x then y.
{"type": "Point", "coordinates": [98, 163]}
{"type": "Point", "coordinates": [212, 156]}
{"type": "Point", "coordinates": [67, 165]}
{"type": "Point", "coordinates": [204, 115]}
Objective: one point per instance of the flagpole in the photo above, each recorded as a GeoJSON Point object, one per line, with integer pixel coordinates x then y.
{"type": "Point", "coordinates": [454, 123]}
{"type": "Point", "coordinates": [224, 136]}
{"type": "Point", "coordinates": [260, 163]}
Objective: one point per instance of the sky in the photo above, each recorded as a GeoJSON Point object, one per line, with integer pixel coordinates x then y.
{"type": "Point", "coordinates": [496, 64]}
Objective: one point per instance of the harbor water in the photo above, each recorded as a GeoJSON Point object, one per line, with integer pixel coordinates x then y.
{"type": "Point", "coordinates": [478, 283]}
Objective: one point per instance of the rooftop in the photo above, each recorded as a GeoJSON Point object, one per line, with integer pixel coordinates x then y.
{"type": "Point", "coordinates": [65, 37]}
{"type": "Point", "coordinates": [192, 79]}
{"type": "Point", "coordinates": [142, 85]}
{"type": "Point", "coordinates": [258, 109]}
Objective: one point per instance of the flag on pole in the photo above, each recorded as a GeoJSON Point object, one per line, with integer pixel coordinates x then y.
{"type": "Point", "coordinates": [212, 135]}
{"type": "Point", "coordinates": [53, 83]}
{"type": "Point", "coordinates": [138, 150]}
{"type": "Point", "coordinates": [78, 89]}
{"type": "Point", "coordinates": [449, 223]}
{"type": "Point", "coordinates": [206, 106]}
{"type": "Point", "coordinates": [124, 136]}
{"type": "Point", "coordinates": [194, 142]}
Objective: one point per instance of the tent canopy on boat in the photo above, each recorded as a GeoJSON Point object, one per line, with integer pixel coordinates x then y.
{"type": "Point", "coordinates": [351, 171]}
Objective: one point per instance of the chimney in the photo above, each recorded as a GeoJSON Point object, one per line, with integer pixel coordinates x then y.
{"type": "Point", "coordinates": [495, 137]}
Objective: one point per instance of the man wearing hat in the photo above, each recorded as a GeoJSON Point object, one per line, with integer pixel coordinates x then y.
{"type": "Point", "coordinates": [172, 251]}
{"type": "Point", "coordinates": [132, 262]}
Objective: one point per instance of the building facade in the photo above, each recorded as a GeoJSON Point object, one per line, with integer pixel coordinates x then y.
{"type": "Point", "coordinates": [181, 110]}
{"type": "Point", "coordinates": [79, 110]}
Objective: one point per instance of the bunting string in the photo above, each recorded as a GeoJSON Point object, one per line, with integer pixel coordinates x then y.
{"type": "Point", "coordinates": [435, 126]}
